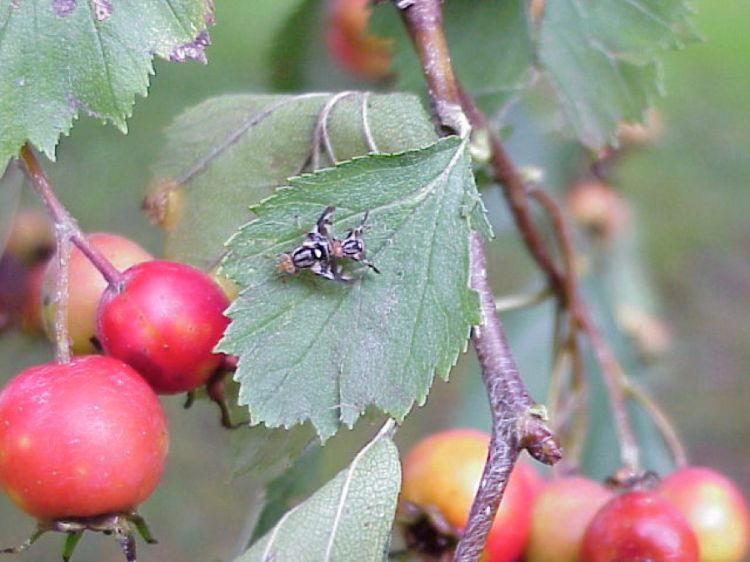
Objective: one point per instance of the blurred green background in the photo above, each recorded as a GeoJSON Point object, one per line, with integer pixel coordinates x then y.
{"type": "Point", "coordinates": [691, 201]}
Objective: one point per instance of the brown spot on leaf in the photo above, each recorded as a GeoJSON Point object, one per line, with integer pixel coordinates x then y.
{"type": "Point", "coordinates": [63, 8]}
{"type": "Point", "coordinates": [193, 50]}
{"type": "Point", "coordinates": [102, 9]}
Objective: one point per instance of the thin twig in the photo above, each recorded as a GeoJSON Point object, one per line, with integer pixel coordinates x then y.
{"type": "Point", "coordinates": [62, 218]}
{"type": "Point", "coordinates": [62, 334]}
{"type": "Point", "coordinates": [517, 422]}
{"type": "Point", "coordinates": [67, 231]}
{"type": "Point", "coordinates": [516, 302]}
{"type": "Point", "coordinates": [514, 187]}
{"type": "Point", "coordinates": [662, 422]}
{"type": "Point", "coordinates": [613, 375]}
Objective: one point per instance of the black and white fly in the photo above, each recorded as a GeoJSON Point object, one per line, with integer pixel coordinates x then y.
{"type": "Point", "coordinates": [320, 251]}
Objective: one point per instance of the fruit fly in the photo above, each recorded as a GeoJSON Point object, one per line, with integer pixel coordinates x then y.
{"type": "Point", "coordinates": [352, 246]}
{"type": "Point", "coordinates": [320, 251]}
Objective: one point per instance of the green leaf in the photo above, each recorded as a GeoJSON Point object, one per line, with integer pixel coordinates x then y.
{"type": "Point", "coordinates": [59, 57]}
{"type": "Point", "coordinates": [230, 152]}
{"type": "Point", "coordinates": [291, 59]}
{"type": "Point", "coordinates": [490, 43]}
{"type": "Point", "coordinates": [348, 519]}
{"type": "Point", "coordinates": [600, 57]}
{"type": "Point", "coordinates": [283, 491]}
{"type": "Point", "coordinates": [268, 452]}
{"type": "Point", "coordinates": [305, 63]}
{"type": "Point", "coordinates": [313, 349]}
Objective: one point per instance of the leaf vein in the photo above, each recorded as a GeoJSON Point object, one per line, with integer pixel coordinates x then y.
{"type": "Point", "coordinates": [344, 493]}
{"type": "Point", "coordinates": [235, 135]}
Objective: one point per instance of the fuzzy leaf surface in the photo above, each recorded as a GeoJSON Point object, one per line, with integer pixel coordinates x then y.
{"type": "Point", "coordinates": [601, 58]}
{"type": "Point", "coordinates": [313, 349]}
{"type": "Point", "coordinates": [348, 519]}
{"type": "Point", "coordinates": [59, 57]}
{"type": "Point", "coordinates": [230, 152]}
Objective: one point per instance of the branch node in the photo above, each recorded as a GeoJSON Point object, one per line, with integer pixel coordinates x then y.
{"type": "Point", "coordinates": [452, 117]}
{"type": "Point", "coordinates": [537, 438]}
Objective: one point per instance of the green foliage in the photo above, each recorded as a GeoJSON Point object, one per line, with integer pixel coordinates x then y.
{"type": "Point", "coordinates": [230, 152]}
{"type": "Point", "coordinates": [600, 56]}
{"type": "Point", "coordinates": [265, 452]}
{"type": "Point", "coordinates": [58, 57]}
{"type": "Point", "coordinates": [313, 349]}
{"type": "Point", "coordinates": [283, 492]}
{"type": "Point", "coordinates": [347, 519]}
{"type": "Point", "coordinates": [304, 64]}
{"type": "Point", "coordinates": [490, 43]}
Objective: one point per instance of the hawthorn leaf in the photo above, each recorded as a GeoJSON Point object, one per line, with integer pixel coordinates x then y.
{"type": "Point", "coordinates": [267, 453]}
{"type": "Point", "coordinates": [230, 152]}
{"type": "Point", "coordinates": [349, 518]}
{"type": "Point", "coordinates": [490, 43]}
{"type": "Point", "coordinates": [600, 55]}
{"type": "Point", "coordinates": [313, 349]}
{"type": "Point", "coordinates": [282, 493]}
{"type": "Point", "coordinates": [59, 57]}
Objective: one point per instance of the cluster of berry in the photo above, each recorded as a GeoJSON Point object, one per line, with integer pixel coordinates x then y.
{"type": "Point", "coordinates": [84, 441]}
{"type": "Point", "coordinates": [693, 514]}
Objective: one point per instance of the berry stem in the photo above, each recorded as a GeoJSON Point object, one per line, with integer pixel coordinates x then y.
{"type": "Point", "coordinates": [580, 319]}
{"type": "Point", "coordinates": [64, 220]}
{"type": "Point", "coordinates": [661, 421]}
{"type": "Point", "coordinates": [67, 232]}
{"type": "Point", "coordinates": [62, 335]}
{"type": "Point", "coordinates": [516, 302]}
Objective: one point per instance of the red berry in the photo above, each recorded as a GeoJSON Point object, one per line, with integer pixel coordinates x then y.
{"type": "Point", "coordinates": [639, 526]}
{"type": "Point", "coordinates": [715, 508]}
{"type": "Point", "coordinates": [78, 439]}
{"type": "Point", "coordinates": [562, 511]}
{"type": "Point", "coordinates": [444, 469]}
{"type": "Point", "coordinates": [165, 321]}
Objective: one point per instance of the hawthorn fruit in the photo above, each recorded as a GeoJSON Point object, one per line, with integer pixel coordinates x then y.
{"type": "Point", "coordinates": [443, 471]}
{"type": "Point", "coordinates": [165, 321]}
{"type": "Point", "coordinates": [715, 509]}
